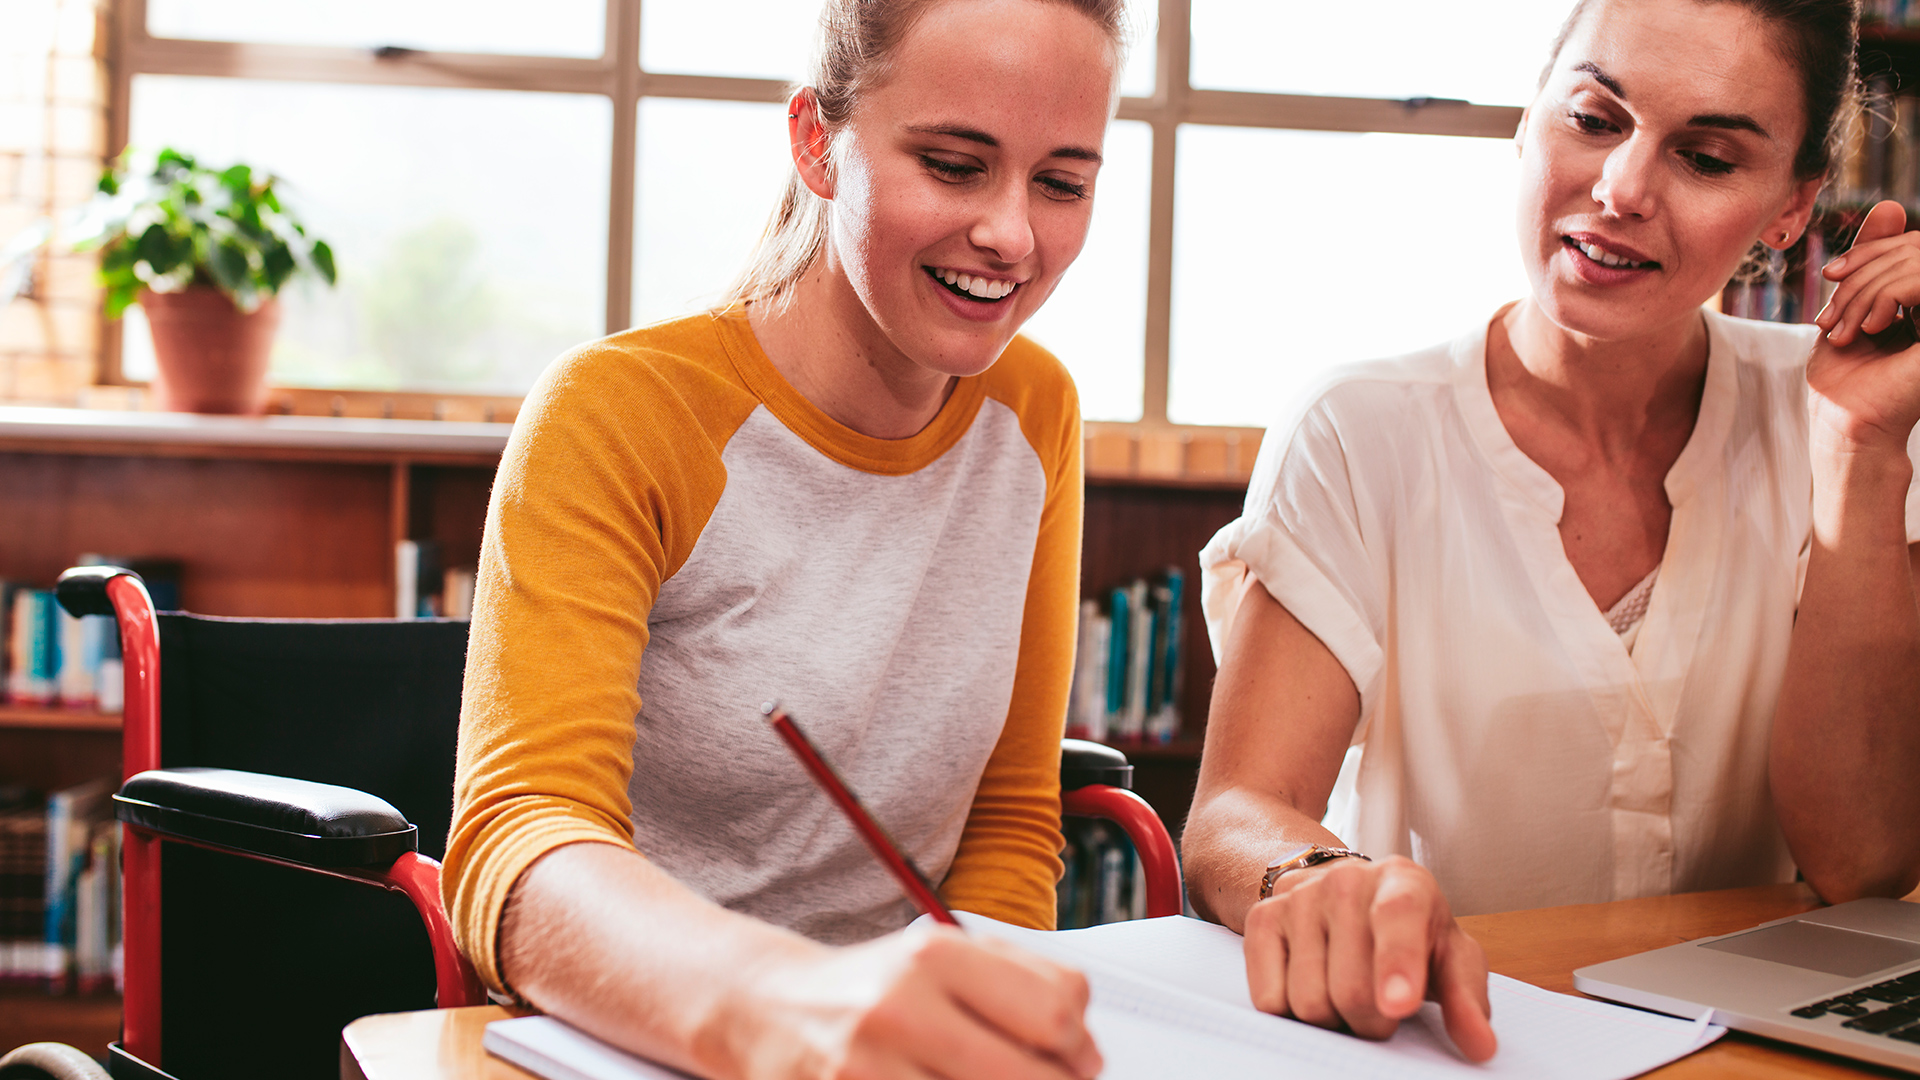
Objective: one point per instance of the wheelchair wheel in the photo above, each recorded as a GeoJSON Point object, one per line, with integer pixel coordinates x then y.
{"type": "Point", "coordinates": [50, 1061]}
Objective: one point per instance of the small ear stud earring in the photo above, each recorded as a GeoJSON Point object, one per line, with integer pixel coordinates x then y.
{"type": "Point", "coordinates": [1786, 238]}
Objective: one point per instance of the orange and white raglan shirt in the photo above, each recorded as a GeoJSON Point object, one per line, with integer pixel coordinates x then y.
{"type": "Point", "coordinates": [677, 536]}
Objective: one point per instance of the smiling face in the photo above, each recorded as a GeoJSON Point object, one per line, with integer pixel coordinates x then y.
{"type": "Point", "coordinates": [1659, 149]}
{"type": "Point", "coordinates": [962, 184]}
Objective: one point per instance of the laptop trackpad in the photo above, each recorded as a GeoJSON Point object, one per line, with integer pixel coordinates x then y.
{"type": "Point", "coordinates": [1847, 953]}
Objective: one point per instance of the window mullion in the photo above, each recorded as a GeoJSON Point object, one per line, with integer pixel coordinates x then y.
{"type": "Point", "coordinates": [623, 47]}
{"type": "Point", "coordinates": [1163, 112]}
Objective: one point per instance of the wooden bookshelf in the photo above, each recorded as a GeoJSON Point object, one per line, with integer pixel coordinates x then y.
{"type": "Point", "coordinates": [55, 718]}
{"type": "Point", "coordinates": [88, 1022]}
{"type": "Point", "coordinates": [1137, 527]}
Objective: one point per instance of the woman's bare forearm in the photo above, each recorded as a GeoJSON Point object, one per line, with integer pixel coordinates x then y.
{"type": "Point", "coordinates": [600, 936]}
{"type": "Point", "coordinates": [1283, 711]}
{"type": "Point", "coordinates": [1230, 839]}
{"type": "Point", "coordinates": [1846, 738]}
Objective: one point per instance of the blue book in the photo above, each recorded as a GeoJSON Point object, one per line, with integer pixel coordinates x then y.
{"type": "Point", "coordinates": [1117, 638]}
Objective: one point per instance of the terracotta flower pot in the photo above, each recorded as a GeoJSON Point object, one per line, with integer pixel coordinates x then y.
{"type": "Point", "coordinates": [212, 357]}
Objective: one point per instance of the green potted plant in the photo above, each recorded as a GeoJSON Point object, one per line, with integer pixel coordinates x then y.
{"type": "Point", "coordinates": [204, 252]}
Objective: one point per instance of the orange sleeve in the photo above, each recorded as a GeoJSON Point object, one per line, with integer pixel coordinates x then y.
{"type": "Point", "coordinates": [1008, 861]}
{"type": "Point", "coordinates": [610, 474]}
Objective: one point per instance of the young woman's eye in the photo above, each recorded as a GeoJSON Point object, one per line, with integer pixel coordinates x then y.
{"type": "Point", "coordinates": [950, 170]}
{"type": "Point", "coordinates": [1590, 123]}
{"type": "Point", "coordinates": [1064, 190]}
{"type": "Point", "coordinates": [1707, 163]}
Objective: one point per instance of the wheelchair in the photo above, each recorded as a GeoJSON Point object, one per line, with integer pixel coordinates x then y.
{"type": "Point", "coordinates": [280, 881]}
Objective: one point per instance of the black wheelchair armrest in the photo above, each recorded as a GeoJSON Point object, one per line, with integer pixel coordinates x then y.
{"type": "Point", "coordinates": [1083, 763]}
{"type": "Point", "coordinates": [275, 817]}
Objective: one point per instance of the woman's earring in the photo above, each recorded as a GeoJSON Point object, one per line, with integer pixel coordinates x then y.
{"type": "Point", "coordinates": [1786, 238]}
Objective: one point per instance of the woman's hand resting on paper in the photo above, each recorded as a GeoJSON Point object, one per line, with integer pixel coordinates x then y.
{"type": "Point", "coordinates": [928, 1002]}
{"type": "Point", "coordinates": [1864, 374]}
{"type": "Point", "coordinates": [1362, 944]}
{"type": "Point", "coordinates": [1345, 943]}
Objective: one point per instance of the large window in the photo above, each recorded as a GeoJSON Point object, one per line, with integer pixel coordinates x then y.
{"type": "Point", "coordinates": [1290, 184]}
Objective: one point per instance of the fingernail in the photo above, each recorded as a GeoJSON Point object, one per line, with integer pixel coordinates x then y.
{"type": "Point", "coordinates": [1397, 991]}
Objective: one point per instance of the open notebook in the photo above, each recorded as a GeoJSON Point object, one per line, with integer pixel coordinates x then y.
{"type": "Point", "coordinates": [1170, 1000]}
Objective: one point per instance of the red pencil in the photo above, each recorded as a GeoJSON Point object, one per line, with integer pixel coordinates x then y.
{"type": "Point", "coordinates": [918, 888]}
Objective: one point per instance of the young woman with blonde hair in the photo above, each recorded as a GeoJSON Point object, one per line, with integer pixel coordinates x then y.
{"type": "Point", "coordinates": [852, 489]}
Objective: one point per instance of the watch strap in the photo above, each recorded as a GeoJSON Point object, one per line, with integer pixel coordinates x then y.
{"type": "Point", "coordinates": [1311, 855]}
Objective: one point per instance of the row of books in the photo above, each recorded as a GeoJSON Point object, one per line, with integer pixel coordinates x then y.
{"type": "Point", "coordinates": [52, 658]}
{"type": "Point", "coordinates": [1881, 156]}
{"type": "Point", "coordinates": [60, 889]}
{"type": "Point", "coordinates": [1891, 13]}
{"type": "Point", "coordinates": [423, 590]}
{"type": "Point", "coordinates": [1103, 881]}
{"type": "Point", "coordinates": [1126, 668]}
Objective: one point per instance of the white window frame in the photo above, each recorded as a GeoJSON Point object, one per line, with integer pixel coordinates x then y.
{"type": "Point", "coordinates": [618, 76]}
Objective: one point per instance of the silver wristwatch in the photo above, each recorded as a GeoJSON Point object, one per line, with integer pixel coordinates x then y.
{"type": "Point", "coordinates": [1311, 855]}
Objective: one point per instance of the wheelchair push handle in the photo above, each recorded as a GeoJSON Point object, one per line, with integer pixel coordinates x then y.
{"type": "Point", "coordinates": [82, 590]}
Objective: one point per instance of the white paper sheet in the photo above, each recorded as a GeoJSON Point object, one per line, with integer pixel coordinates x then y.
{"type": "Point", "coordinates": [1170, 1001]}
{"type": "Point", "coordinates": [547, 1047]}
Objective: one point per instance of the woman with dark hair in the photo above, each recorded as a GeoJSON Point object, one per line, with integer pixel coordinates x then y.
{"type": "Point", "coordinates": [853, 489]}
{"type": "Point", "coordinates": [1612, 596]}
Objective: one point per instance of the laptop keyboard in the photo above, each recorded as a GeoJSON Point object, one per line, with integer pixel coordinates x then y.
{"type": "Point", "coordinates": [1899, 1019]}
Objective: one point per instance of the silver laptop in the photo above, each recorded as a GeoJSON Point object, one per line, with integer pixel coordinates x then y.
{"type": "Point", "coordinates": [1844, 979]}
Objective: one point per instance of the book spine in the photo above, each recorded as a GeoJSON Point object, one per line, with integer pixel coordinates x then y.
{"type": "Point", "coordinates": [83, 648]}
{"type": "Point", "coordinates": [1087, 700]}
{"type": "Point", "coordinates": [457, 593]}
{"type": "Point", "coordinates": [406, 579]}
{"type": "Point", "coordinates": [58, 926]}
{"type": "Point", "coordinates": [1099, 656]}
{"type": "Point", "coordinates": [1139, 658]}
{"type": "Point", "coordinates": [35, 652]}
{"type": "Point", "coordinates": [23, 863]}
{"type": "Point", "coordinates": [95, 927]}
{"type": "Point", "coordinates": [1118, 635]}
{"type": "Point", "coordinates": [1166, 721]}
{"type": "Point", "coordinates": [1113, 881]}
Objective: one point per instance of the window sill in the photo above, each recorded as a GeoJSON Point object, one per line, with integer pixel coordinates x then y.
{"type": "Point", "coordinates": [1174, 455]}
{"type": "Point", "coordinates": [186, 434]}
{"type": "Point", "coordinates": [402, 424]}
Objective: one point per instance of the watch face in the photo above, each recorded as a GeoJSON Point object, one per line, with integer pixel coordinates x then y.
{"type": "Point", "coordinates": [1294, 858]}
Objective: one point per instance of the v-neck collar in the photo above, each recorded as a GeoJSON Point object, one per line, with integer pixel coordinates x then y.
{"type": "Point", "coordinates": [1700, 458]}
{"type": "Point", "coordinates": [1653, 672]}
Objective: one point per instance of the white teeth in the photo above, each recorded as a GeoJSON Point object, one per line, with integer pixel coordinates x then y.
{"type": "Point", "coordinates": [1603, 256]}
{"type": "Point", "coordinates": [977, 287]}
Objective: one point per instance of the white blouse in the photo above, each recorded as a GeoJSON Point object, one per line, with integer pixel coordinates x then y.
{"type": "Point", "coordinates": [1509, 738]}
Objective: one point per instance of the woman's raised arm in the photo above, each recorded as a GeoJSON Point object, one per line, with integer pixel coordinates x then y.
{"type": "Point", "coordinates": [1846, 735]}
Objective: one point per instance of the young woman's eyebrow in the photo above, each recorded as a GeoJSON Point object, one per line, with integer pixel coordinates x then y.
{"type": "Point", "coordinates": [975, 135]}
{"type": "Point", "coordinates": [1722, 121]}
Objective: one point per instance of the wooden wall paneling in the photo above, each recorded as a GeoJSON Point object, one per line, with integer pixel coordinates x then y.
{"type": "Point", "coordinates": [284, 538]}
{"type": "Point", "coordinates": [50, 760]}
{"type": "Point", "coordinates": [450, 505]}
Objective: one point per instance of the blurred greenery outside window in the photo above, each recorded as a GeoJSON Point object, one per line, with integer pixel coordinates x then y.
{"type": "Point", "coordinates": [502, 181]}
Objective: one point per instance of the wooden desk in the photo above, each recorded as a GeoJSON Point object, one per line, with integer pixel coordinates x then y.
{"type": "Point", "coordinates": [1542, 947]}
